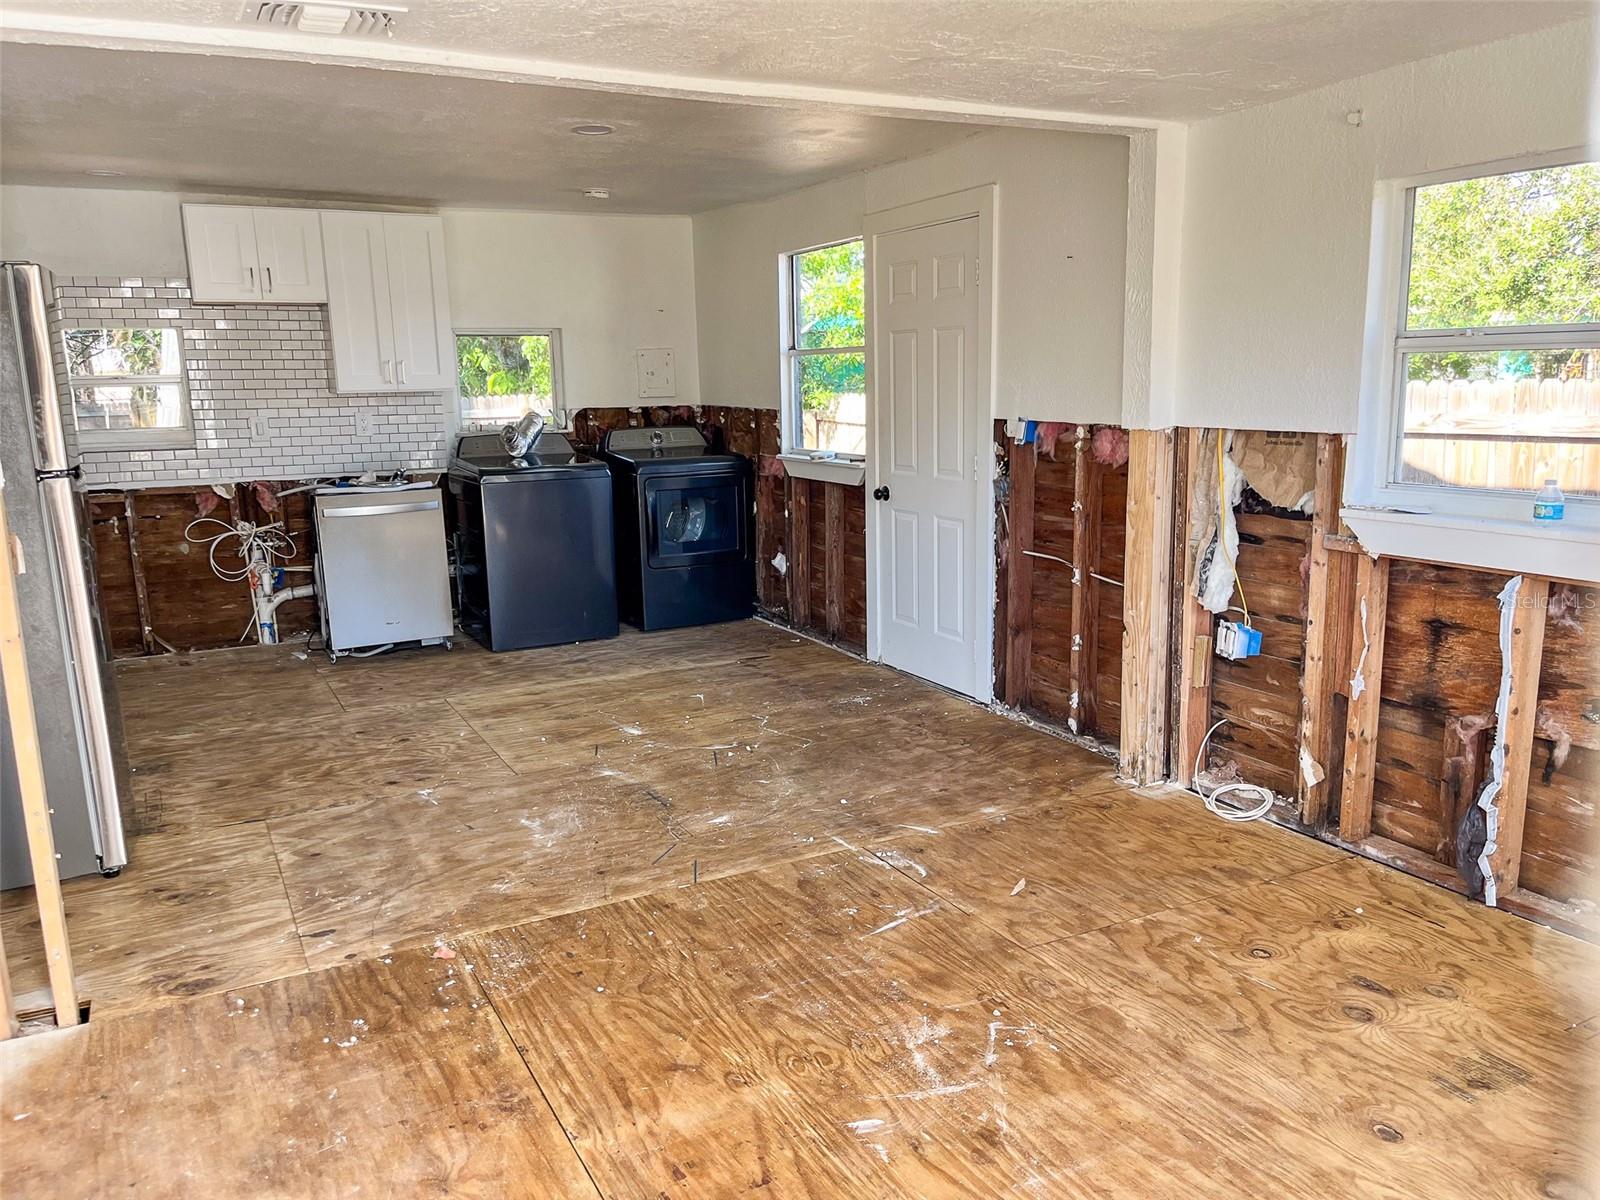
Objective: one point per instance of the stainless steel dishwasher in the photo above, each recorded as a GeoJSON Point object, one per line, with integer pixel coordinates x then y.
{"type": "Point", "coordinates": [381, 570]}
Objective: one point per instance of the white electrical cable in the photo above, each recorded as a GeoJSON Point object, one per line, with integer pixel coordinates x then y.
{"type": "Point", "coordinates": [273, 540]}
{"type": "Point", "coordinates": [1229, 812]}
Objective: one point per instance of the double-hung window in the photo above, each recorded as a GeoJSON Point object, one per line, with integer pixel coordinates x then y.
{"type": "Point", "coordinates": [127, 387]}
{"type": "Point", "coordinates": [824, 351]}
{"type": "Point", "coordinates": [502, 375]}
{"type": "Point", "coordinates": [1482, 377]}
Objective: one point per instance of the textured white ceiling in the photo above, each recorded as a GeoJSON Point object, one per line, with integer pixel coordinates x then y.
{"type": "Point", "coordinates": [254, 126]}
{"type": "Point", "coordinates": [1174, 59]}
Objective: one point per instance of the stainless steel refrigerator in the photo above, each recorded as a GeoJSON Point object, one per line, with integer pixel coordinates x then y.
{"type": "Point", "coordinates": [74, 697]}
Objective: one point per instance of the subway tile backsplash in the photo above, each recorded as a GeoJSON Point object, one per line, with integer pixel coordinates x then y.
{"type": "Point", "coordinates": [244, 360]}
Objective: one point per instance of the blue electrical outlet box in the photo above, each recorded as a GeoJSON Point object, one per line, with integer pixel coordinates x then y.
{"type": "Point", "coordinates": [1236, 640]}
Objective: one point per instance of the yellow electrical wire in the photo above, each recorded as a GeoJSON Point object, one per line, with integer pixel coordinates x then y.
{"type": "Point", "coordinates": [1222, 546]}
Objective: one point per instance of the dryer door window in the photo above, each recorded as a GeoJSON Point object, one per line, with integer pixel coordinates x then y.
{"type": "Point", "coordinates": [694, 520]}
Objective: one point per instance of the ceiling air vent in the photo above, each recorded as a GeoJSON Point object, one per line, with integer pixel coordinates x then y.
{"type": "Point", "coordinates": [322, 16]}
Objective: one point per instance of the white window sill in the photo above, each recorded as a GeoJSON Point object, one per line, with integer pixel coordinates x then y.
{"type": "Point", "coordinates": [851, 472]}
{"type": "Point", "coordinates": [1561, 550]}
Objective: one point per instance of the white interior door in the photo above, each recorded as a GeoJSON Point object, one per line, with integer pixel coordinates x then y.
{"type": "Point", "coordinates": [925, 316]}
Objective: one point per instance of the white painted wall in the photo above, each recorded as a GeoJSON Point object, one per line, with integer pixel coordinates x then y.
{"type": "Point", "coordinates": [611, 284]}
{"type": "Point", "coordinates": [1277, 220]}
{"type": "Point", "coordinates": [1062, 236]}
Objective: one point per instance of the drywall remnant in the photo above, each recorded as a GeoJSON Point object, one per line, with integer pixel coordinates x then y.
{"type": "Point", "coordinates": [1310, 769]}
{"type": "Point", "coordinates": [1358, 684]}
{"type": "Point", "coordinates": [780, 564]}
{"type": "Point", "coordinates": [1488, 797]}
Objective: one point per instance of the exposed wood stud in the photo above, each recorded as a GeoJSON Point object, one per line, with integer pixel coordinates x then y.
{"type": "Point", "coordinates": [1019, 577]}
{"type": "Point", "coordinates": [31, 787]}
{"type": "Point", "coordinates": [799, 577]}
{"type": "Point", "coordinates": [1085, 593]}
{"type": "Point", "coordinates": [1147, 581]}
{"type": "Point", "coordinates": [1366, 666]}
{"type": "Point", "coordinates": [1194, 622]}
{"type": "Point", "coordinates": [141, 590]}
{"type": "Point", "coordinates": [833, 557]}
{"type": "Point", "coordinates": [1527, 649]}
{"type": "Point", "coordinates": [1316, 695]}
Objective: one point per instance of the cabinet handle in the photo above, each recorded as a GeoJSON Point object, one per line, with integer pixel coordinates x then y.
{"type": "Point", "coordinates": [269, 278]}
{"type": "Point", "coordinates": [402, 367]}
{"type": "Point", "coordinates": [383, 369]}
{"type": "Point", "coordinates": [250, 274]}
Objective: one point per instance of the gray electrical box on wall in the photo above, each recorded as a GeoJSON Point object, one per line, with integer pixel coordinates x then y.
{"type": "Point", "coordinates": [657, 377]}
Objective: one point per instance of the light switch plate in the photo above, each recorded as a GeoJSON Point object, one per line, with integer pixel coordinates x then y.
{"type": "Point", "coordinates": [260, 428]}
{"type": "Point", "coordinates": [657, 376]}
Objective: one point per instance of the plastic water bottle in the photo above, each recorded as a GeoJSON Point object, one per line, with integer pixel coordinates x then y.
{"type": "Point", "coordinates": [1549, 504]}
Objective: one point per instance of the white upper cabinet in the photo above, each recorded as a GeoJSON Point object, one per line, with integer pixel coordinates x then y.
{"type": "Point", "coordinates": [224, 264]}
{"type": "Point", "coordinates": [289, 241]}
{"type": "Point", "coordinates": [360, 319]}
{"type": "Point", "coordinates": [242, 255]}
{"type": "Point", "coordinates": [388, 306]}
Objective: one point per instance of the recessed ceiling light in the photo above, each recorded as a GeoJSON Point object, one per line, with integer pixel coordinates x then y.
{"type": "Point", "coordinates": [105, 173]}
{"type": "Point", "coordinates": [597, 193]}
{"type": "Point", "coordinates": [593, 130]}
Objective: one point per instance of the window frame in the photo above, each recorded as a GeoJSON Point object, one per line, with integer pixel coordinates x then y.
{"type": "Point", "coordinates": [792, 424]}
{"type": "Point", "coordinates": [180, 437]}
{"type": "Point", "coordinates": [558, 408]}
{"type": "Point", "coordinates": [1375, 451]}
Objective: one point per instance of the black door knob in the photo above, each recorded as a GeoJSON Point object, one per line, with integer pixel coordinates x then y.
{"type": "Point", "coordinates": [880, 493]}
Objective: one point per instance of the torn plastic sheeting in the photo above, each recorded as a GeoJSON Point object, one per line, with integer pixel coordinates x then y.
{"type": "Point", "coordinates": [1488, 797]}
{"type": "Point", "coordinates": [780, 564]}
{"type": "Point", "coordinates": [1215, 571]}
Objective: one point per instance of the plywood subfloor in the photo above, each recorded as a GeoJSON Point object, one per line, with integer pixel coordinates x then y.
{"type": "Point", "coordinates": [733, 913]}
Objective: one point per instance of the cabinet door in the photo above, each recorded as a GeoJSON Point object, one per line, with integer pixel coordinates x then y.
{"type": "Point", "coordinates": [290, 244]}
{"type": "Point", "coordinates": [360, 318]}
{"type": "Point", "coordinates": [221, 241]}
{"type": "Point", "coordinates": [424, 345]}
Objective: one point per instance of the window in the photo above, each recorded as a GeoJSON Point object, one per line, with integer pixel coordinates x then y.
{"type": "Point", "coordinates": [824, 351]}
{"type": "Point", "coordinates": [1492, 368]}
{"type": "Point", "coordinates": [500, 376]}
{"type": "Point", "coordinates": [127, 388]}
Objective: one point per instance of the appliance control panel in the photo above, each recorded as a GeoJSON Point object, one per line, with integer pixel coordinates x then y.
{"type": "Point", "coordinates": [665, 437]}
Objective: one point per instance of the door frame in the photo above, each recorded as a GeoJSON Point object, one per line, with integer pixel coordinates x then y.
{"type": "Point", "coordinates": [981, 202]}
